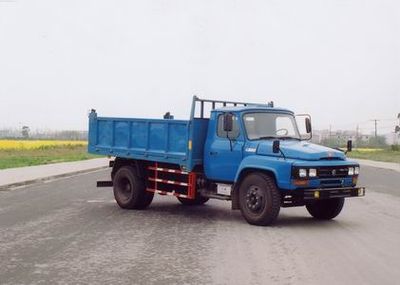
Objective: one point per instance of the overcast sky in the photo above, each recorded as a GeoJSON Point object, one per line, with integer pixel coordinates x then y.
{"type": "Point", "coordinates": [337, 60]}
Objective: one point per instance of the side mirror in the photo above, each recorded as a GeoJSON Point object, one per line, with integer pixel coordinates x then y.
{"type": "Point", "coordinates": [228, 122]}
{"type": "Point", "coordinates": [276, 146]}
{"type": "Point", "coordinates": [303, 122]}
{"type": "Point", "coordinates": [349, 146]}
{"type": "Point", "coordinates": [308, 125]}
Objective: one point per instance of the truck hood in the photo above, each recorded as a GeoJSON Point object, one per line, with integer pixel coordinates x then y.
{"type": "Point", "coordinates": [300, 150]}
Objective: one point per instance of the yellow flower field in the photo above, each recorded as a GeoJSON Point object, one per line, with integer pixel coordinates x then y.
{"type": "Point", "coordinates": [37, 144]}
{"type": "Point", "coordinates": [368, 149]}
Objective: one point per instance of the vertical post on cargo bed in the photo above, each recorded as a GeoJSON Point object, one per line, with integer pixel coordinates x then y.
{"type": "Point", "coordinates": [93, 131]}
{"type": "Point", "coordinates": [202, 109]}
{"type": "Point", "coordinates": [192, 112]}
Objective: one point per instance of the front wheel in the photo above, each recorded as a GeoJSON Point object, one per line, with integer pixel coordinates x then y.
{"type": "Point", "coordinates": [325, 209]}
{"type": "Point", "coordinates": [259, 199]}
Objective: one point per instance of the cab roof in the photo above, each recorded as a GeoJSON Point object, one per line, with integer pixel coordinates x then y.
{"type": "Point", "coordinates": [251, 108]}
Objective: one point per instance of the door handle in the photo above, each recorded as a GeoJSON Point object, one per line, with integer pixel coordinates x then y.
{"type": "Point", "coordinates": [213, 152]}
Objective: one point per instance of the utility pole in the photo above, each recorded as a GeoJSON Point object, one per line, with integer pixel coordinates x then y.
{"type": "Point", "coordinates": [357, 135]}
{"type": "Point", "coordinates": [376, 127]}
{"type": "Point", "coordinates": [357, 131]}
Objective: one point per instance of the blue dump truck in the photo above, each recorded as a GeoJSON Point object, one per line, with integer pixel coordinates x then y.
{"type": "Point", "coordinates": [250, 154]}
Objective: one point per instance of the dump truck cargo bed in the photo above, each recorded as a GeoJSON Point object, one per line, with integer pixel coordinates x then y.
{"type": "Point", "coordinates": [171, 141]}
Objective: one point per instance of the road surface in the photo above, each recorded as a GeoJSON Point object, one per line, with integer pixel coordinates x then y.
{"type": "Point", "coordinates": [69, 232]}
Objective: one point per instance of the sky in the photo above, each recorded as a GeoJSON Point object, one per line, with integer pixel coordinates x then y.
{"type": "Point", "coordinates": [338, 60]}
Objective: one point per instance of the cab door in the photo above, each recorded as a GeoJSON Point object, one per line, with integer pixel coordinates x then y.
{"type": "Point", "coordinates": [223, 151]}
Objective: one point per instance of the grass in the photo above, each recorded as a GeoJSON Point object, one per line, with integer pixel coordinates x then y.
{"type": "Point", "coordinates": [386, 155]}
{"type": "Point", "coordinates": [18, 157]}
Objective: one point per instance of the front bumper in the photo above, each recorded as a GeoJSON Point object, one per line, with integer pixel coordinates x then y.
{"type": "Point", "coordinates": [301, 197]}
{"type": "Point", "coordinates": [329, 193]}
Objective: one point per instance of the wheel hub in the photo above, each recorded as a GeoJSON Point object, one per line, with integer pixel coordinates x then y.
{"type": "Point", "coordinates": [126, 188]}
{"type": "Point", "coordinates": [254, 199]}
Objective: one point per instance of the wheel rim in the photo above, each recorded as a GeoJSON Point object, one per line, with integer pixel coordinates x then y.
{"type": "Point", "coordinates": [255, 199]}
{"type": "Point", "coordinates": [125, 188]}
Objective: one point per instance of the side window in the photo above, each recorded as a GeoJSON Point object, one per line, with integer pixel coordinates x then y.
{"type": "Point", "coordinates": [235, 130]}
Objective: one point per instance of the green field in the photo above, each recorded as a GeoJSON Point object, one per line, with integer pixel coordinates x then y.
{"type": "Point", "coordinates": [10, 158]}
{"type": "Point", "coordinates": [385, 155]}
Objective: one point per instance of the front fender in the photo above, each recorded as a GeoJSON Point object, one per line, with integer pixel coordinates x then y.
{"type": "Point", "coordinates": [280, 167]}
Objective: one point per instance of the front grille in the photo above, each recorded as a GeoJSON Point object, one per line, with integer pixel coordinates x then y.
{"type": "Point", "coordinates": [331, 182]}
{"type": "Point", "coordinates": [332, 172]}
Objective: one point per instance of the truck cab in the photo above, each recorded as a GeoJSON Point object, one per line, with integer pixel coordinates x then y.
{"type": "Point", "coordinates": [251, 127]}
{"type": "Point", "coordinates": [250, 144]}
{"type": "Point", "coordinates": [255, 155]}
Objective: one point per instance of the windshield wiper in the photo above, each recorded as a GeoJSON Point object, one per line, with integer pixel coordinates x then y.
{"type": "Point", "coordinates": [267, 137]}
{"type": "Point", "coordinates": [276, 137]}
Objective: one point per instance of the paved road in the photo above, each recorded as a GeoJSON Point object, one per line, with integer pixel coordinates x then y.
{"type": "Point", "coordinates": [381, 180]}
{"type": "Point", "coordinates": [69, 232]}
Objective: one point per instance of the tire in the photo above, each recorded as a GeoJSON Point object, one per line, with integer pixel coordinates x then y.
{"type": "Point", "coordinates": [199, 200]}
{"type": "Point", "coordinates": [130, 190]}
{"type": "Point", "coordinates": [325, 209]}
{"type": "Point", "coordinates": [259, 199]}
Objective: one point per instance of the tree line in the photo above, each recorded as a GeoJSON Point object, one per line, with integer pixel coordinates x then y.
{"type": "Point", "coordinates": [26, 133]}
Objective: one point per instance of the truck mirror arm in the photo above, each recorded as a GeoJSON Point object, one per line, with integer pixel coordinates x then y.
{"type": "Point", "coordinates": [276, 148]}
{"type": "Point", "coordinates": [230, 140]}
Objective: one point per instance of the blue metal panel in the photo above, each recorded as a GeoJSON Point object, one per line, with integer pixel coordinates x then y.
{"type": "Point", "coordinates": [177, 140]}
{"type": "Point", "coordinates": [220, 161]}
{"type": "Point", "coordinates": [148, 139]}
{"type": "Point", "coordinates": [121, 134]}
{"type": "Point", "coordinates": [138, 135]}
{"type": "Point", "coordinates": [198, 137]}
{"type": "Point", "coordinates": [105, 130]}
{"type": "Point", "coordinates": [158, 136]}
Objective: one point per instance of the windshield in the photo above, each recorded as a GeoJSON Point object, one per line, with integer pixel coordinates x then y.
{"type": "Point", "coordinates": [263, 125]}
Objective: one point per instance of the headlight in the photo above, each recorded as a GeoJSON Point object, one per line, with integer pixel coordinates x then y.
{"type": "Point", "coordinates": [312, 172]}
{"type": "Point", "coordinates": [351, 171]}
{"type": "Point", "coordinates": [302, 172]}
{"type": "Point", "coordinates": [356, 170]}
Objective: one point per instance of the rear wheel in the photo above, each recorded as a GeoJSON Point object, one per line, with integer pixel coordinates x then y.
{"type": "Point", "coordinates": [259, 199]}
{"type": "Point", "coordinates": [325, 209]}
{"type": "Point", "coordinates": [130, 190]}
{"type": "Point", "coordinates": [199, 200]}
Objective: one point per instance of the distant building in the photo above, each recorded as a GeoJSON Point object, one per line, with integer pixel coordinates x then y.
{"type": "Point", "coordinates": [340, 137]}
